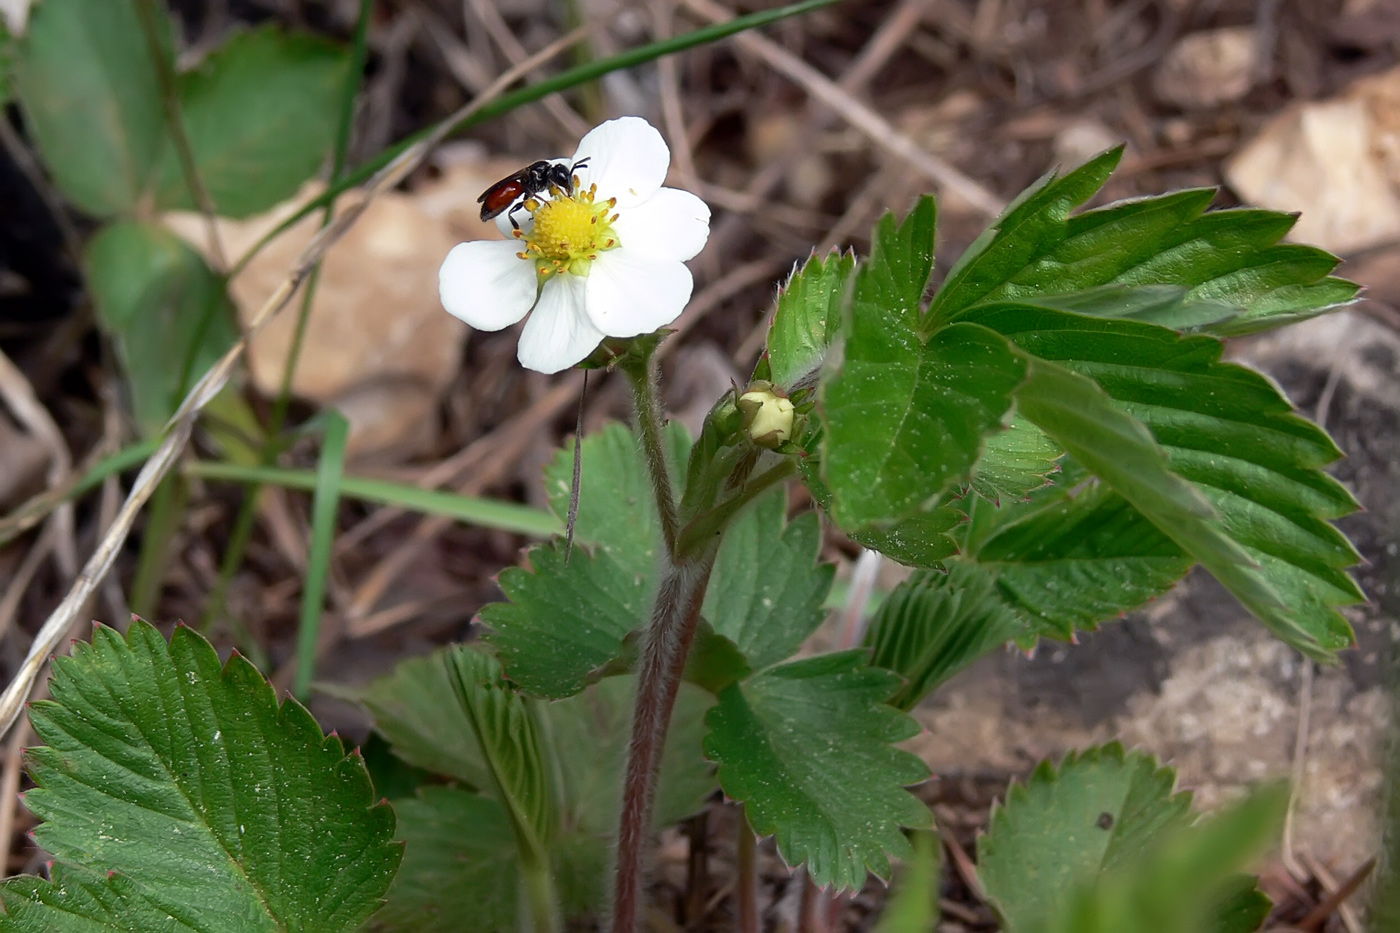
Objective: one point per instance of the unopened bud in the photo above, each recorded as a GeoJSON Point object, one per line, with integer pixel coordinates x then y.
{"type": "Point", "coordinates": [768, 416]}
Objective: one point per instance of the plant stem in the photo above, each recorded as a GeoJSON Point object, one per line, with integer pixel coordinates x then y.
{"type": "Point", "coordinates": [541, 903]}
{"type": "Point", "coordinates": [642, 374]}
{"type": "Point", "coordinates": [746, 868]}
{"type": "Point", "coordinates": [667, 642]}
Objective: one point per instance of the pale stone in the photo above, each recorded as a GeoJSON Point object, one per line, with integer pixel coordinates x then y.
{"type": "Point", "coordinates": [1206, 69]}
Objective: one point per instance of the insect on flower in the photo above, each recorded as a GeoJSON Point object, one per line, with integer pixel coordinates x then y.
{"type": "Point", "coordinates": [530, 182]}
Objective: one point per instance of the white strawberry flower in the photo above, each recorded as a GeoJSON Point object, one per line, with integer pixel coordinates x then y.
{"type": "Point", "coordinates": [604, 259]}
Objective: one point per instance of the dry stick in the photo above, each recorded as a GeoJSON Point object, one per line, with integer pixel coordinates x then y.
{"type": "Point", "coordinates": [662, 14]}
{"type": "Point", "coordinates": [1333, 901]}
{"type": "Point", "coordinates": [23, 402]}
{"type": "Point", "coordinates": [178, 430]}
{"type": "Point", "coordinates": [558, 107]}
{"type": "Point", "coordinates": [1329, 883]}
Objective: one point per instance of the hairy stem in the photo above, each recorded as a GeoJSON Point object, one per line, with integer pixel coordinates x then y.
{"type": "Point", "coordinates": [645, 396]}
{"type": "Point", "coordinates": [667, 642]}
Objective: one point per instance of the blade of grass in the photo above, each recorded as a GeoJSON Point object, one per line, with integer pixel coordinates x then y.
{"type": "Point", "coordinates": [37, 508]}
{"type": "Point", "coordinates": [565, 80]}
{"type": "Point", "coordinates": [486, 513]}
{"type": "Point", "coordinates": [324, 504]}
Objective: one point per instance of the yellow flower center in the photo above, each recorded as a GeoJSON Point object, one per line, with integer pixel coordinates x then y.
{"type": "Point", "coordinates": [569, 231]}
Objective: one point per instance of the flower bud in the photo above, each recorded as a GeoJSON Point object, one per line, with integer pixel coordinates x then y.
{"type": "Point", "coordinates": [768, 416]}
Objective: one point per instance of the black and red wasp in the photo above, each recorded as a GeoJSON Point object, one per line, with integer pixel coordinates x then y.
{"type": "Point", "coordinates": [531, 181]}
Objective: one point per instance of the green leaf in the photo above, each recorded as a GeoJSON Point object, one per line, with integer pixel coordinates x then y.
{"type": "Point", "coordinates": [1015, 462]}
{"type": "Point", "coordinates": [922, 540]}
{"type": "Point", "coordinates": [1073, 562]}
{"type": "Point", "coordinates": [459, 862]}
{"type": "Point", "coordinates": [409, 709]}
{"type": "Point", "coordinates": [1242, 908]}
{"type": "Point", "coordinates": [1184, 883]}
{"type": "Point", "coordinates": [168, 312]}
{"type": "Point", "coordinates": [91, 97]}
{"type": "Point", "coordinates": [912, 906]}
{"type": "Point", "coordinates": [584, 742]}
{"type": "Point", "coordinates": [1164, 305]}
{"type": "Point", "coordinates": [224, 808]}
{"type": "Point", "coordinates": [508, 736]}
{"type": "Point", "coordinates": [77, 900]}
{"type": "Point", "coordinates": [1248, 457]}
{"type": "Point", "coordinates": [1098, 810]}
{"type": "Point", "coordinates": [934, 624]}
{"type": "Point", "coordinates": [325, 508]}
{"type": "Point", "coordinates": [807, 748]}
{"type": "Point", "coordinates": [807, 317]}
{"type": "Point", "coordinates": [260, 114]}
{"type": "Point", "coordinates": [1232, 257]}
{"type": "Point", "coordinates": [8, 53]}
{"type": "Point", "coordinates": [905, 413]}
{"type": "Point", "coordinates": [771, 588]}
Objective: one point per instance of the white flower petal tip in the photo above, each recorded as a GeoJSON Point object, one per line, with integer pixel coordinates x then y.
{"type": "Point", "coordinates": [486, 284]}
{"type": "Point", "coordinates": [559, 333]}
{"type": "Point", "coordinates": [671, 224]}
{"type": "Point", "coordinates": [631, 293]}
{"type": "Point", "coordinates": [627, 160]}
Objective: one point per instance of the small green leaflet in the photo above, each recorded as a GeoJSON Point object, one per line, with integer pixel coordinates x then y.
{"type": "Point", "coordinates": [1231, 257]}
{"type": "Point", "coordinates": [934, 624]}
{"type": "Point", "coordinates": [807, 317]}
{"type": "Point", "coordinates": [204, 798]}
{"type": "Point", "coordinates": [807, 748]}
{"type": "Point", "coordinates": [1015, 462]}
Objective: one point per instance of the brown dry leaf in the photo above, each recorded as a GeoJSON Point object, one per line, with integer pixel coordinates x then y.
{"type": "Point", "coordinates": [378, 346]}
{"type": "Point", "coordinates": [1338, 161]}
{"type": "Point", "coordinates": [1207, 69]}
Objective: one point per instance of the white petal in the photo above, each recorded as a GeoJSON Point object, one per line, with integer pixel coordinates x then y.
{"type": "Point", "coordinates": [558, 333]}
{"type": "Point", "coordinates": [671, 224]}
{"type": "Point", "coordinates": [627, 160]}
{"type": "Point", "coordinates": [486, 284]}
{"type": "Point", "coordinates": [630, 293]}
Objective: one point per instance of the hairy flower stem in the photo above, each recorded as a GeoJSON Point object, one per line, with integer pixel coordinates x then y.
{"type": "Point", "coordinates": [642, 374]}
{"type": "Point", "coordinates": [666, 644]}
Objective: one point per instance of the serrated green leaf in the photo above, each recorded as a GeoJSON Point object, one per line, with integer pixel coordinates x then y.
{"type": "Point", "coordinates": [77, 900]}
{"type": "Point", "coordinates": [922, 540]}
{"type": "Point", "coordinates": [1225, 429]}
{"type": "Point", "coordinates": [1099, 809]}
{"type": "Point", "coordinates": [807, 317]}
{"type": "Point", "coordinates": [807, 748]}
{"type": "Point", "coordinates": [1073, 562]}
{"type": "Point", "coordinates": [905, 414]}
{"type": "Point", "coordinates": [225, 809]}
{"type": "Point", "coordinates": [1231, 257]}
{"type": "Point", "coordinates": [468, 837]}
{"type": "Point", "coordinates": [934, 624]}
{"type": "Point", "coordinates": [912, 906]}
{"type": "Point", "coordinates": [459, 862]}
{"type": "Point", "coordinates": [91, 98]}
{"type": "Point", "coordinates": [770, 586]}
{"type": "Point", "coordinates": [1187, 881]}
{"type": "Point", "coordinates": [260, 114]}
{"type": "Point", "coordinates": [508, 736]}
{"type": "Point", "coordinates": [167, 311]}
{"type": "Point", "coordinates": [409, 710]}
{"type": "Point", "coordinates": [1015, 462]}
{"type": "Point", "coordinates": [1163, 305]}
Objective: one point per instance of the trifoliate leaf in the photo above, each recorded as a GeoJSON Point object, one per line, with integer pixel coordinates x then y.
{"type": "Point", "coordinates": [1099, 809]}
{"type": "Point", "coordinates": [409, 708]}
{"type": "Point", "coordinates": [934, 624]}
{"type": "Point", "coordinates": [91, 94]}
{"type": "Point", "coordinates": [1248, 457]}
{"type": "Point", "coordinates": [167, 311]}
{"type": "Point", "coordinates": [807, 748]}
{"type": "Point", "coordinates": [226, 810]}
{"type": "Point", "coordinates": [807, 317]}
{"type": "Point", "coordinates": [771, 588]}
{"type": "Point", "coordinates": [459, 862]}
{"type": "Point", "coordinates": [1184, 882]}
{"type": "Point", "coordinates": [1073, 562]}
{"type": "Point", "coordinates": [260, 114]}
{"type": "Point", "coordinates": [508, 735]}
{"type": "Point", "coordinates": [1232, 257]}
{"type": "Point", "coordinates": [906, 412]}
{"type": "Point", "coordinates": [1015, 462]}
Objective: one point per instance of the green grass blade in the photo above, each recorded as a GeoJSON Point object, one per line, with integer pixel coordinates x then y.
{"type": "Point", "coordinates": [329, 475]}
{"type": "Point", "coordinates": [486, 513]}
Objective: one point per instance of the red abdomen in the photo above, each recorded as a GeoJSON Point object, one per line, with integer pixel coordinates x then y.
{"type": "Point", "coordinates": [499, 197]}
